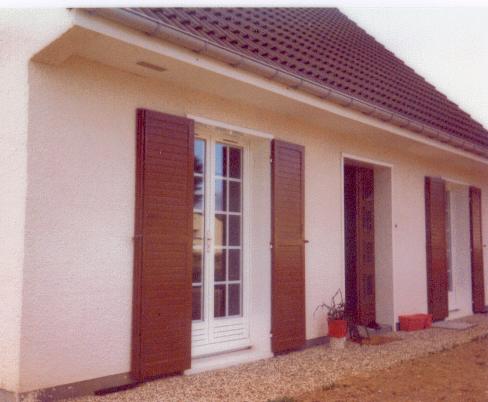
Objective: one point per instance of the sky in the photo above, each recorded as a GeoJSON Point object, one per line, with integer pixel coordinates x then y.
{"type": "Point", "coordinates": [447, 46]}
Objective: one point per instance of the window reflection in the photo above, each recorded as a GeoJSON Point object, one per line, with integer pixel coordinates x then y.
{"type": "Point", "coordinates": [228, 231]}
{"type": "Point", "coordinates": [198, 229]}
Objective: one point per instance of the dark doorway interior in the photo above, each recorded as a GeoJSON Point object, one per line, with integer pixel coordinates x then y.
{"type": "Point", "coordinates": [359, 244]}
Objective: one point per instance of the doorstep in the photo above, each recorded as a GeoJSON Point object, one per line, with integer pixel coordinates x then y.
{"type": "Point", "coordinates": [228, 359]}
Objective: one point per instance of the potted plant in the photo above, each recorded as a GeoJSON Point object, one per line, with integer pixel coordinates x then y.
{"type": "Point", "coordinates": [336, 321]}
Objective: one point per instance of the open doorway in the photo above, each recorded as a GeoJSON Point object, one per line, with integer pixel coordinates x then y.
{"type": "Point", "coordinates": [458, 250]}
{"type": "Point", "coordinates": [455, 275]}
{"type": "Point", "coordinates": [368, 243]}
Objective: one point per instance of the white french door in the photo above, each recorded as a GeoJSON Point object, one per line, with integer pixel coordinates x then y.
{"type": "Point", "coordinates": [452, 304]}
{"type": "Point", "coordinates": [219, 282]}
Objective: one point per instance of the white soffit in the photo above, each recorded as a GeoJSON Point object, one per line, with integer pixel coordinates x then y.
{"type": "Point", "coordinates": [137, 38]}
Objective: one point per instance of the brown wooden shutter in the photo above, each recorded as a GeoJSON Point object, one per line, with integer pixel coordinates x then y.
{"type": "Point", "coordinates": [477, 274]}
{"type": "Point", "coordinates": [359, 244]}
{"type": "Point", "coordinates": [163, 245]}
{"type": "Point", "coordinates": [288, 254]}
{"type": "Point", "coordinates": [351, 254]}
{"type": "Point", "coordinates": [365, 246]}
{"type": "Point", "coordinates": [437, 277]}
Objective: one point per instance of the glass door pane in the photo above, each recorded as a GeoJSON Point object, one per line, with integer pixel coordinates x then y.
{"type": "Point", "coordinates": [198, 271]}
{"type": "Point", "coordinates": [228, 231]}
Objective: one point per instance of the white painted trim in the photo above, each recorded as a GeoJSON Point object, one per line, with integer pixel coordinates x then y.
{"type": "Point", "coordinates": [231, 127]}
{"type": "Point", "coordinates": [139, 39]}
{"type": "Point", "coordinates": [343, 228]}
{"type": "Point", "coordinates": [246, 241]}
{"type": "Point", "coordinates": [393, 244]}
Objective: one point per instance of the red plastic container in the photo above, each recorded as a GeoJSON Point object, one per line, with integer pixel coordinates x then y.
{"type": "Point", "coordinates": [415, 322]}
{"type": "Point", "coordinates": [337, 328]}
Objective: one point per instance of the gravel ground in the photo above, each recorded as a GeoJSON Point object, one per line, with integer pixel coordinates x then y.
{"type": "Point", "coordinates": [457, 374]}
{"type": "Point", "coordinates": [298, 372]}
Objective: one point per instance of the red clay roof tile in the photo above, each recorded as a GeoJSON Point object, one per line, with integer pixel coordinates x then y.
{"type": "Point", "coordinates": [324, 46]}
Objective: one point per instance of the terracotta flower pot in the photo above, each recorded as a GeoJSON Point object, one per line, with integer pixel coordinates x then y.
{"type": "Point", "coordinates": [337, 328]}
{"type": "Point", "coordinates": [415, 322]}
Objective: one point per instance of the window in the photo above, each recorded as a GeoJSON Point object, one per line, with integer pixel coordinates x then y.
{"type": "Point", "coordinates": [228, 231]}
{"type": "Point", "coordinates": [198, 230]}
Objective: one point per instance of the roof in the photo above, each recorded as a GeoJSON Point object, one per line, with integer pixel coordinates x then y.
{"type": "Point", "coordinates": [325, 47]}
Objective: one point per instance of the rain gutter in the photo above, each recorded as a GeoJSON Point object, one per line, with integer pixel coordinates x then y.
{"type": "Point", "coordinates": [153, 27]}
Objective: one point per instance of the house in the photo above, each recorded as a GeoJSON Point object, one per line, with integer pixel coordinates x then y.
{"type": "Point", "coordinates": [182, 188]}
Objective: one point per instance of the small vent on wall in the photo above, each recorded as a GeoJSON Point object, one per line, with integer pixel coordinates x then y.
{"type": "Point", "coordinates": [151, 66]}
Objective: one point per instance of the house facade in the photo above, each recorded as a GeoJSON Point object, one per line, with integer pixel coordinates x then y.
{"type": "Point", "coordinates": [184, 187]}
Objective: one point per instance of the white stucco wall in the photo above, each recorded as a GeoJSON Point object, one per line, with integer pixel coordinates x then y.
{"type": "Point", "coordinates": [76, 312]}
{"type": "Point", "coordinates": [79, 228]}
{"type": "Point", "coordinates": [260, 296]}
{"type": "Point", "coordinates": [22, 33]}
{"type": "Point", "coordinates": [383, 246]}
{"type": "Point", "coordinates": [409, 259]}
{"type": "Point", "coordinates": [80, 213]}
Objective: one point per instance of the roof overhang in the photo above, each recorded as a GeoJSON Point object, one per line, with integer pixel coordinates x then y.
{"type": "Point", "coordinates": [141, 22]}
{"type": "Point", "coordinates": [96, 37]}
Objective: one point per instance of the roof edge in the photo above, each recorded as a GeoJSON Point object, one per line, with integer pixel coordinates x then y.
{"type": "Point", "coordinates": [141, 22]}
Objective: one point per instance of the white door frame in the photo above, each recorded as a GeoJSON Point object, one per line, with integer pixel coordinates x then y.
{"type": "Point", "coordinates": [212, 331]}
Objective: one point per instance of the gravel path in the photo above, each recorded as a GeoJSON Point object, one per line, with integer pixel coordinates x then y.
{"type": "Point", "coordinates": [297, 372]}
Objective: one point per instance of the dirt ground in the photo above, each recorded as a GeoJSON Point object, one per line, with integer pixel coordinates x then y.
{"type": "Point", "coordinates": [459, 374]}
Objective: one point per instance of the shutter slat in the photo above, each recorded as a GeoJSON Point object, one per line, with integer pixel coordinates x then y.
{"type": "Point", "coordinates": [163, 245]}
{"type": "Point", "coordinates": [365, 269]}
{"type": "Point", "coordinates": [288, 253]}
{"type": "Point", "coordinates": [435, 219]}
{"type": "Point", "coordinates": [477, 270]}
